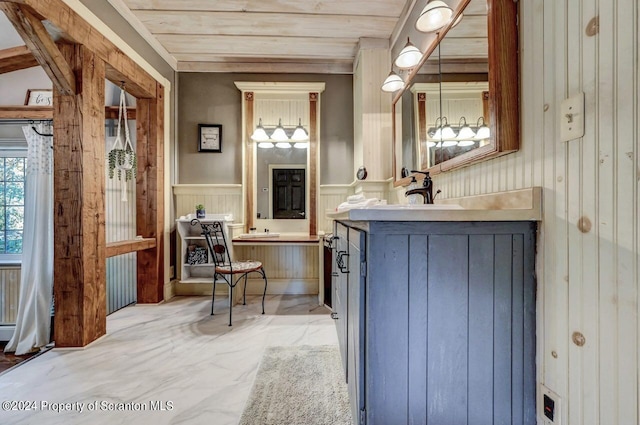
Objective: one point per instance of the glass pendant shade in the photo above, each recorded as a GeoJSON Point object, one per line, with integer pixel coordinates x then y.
{"type": "Point", "coordinates": [300, 134]}
{"type": "Point", "coordinates": [435, 15]}
{"type": "Point", "coordinates": [283, 145]}
{"type": "Point", "coordinates": [409, 57]}
{"type": "Point", "coordinates": [466, 143]}
{"type": "Point", "coordinates": [438, 134]}
{"type": "Point", "coordinates": [449, 143]}
{"type": "Point", "coordinates": [259, 135]}
{"type": "Point", "coordinates": [431, 144]}
{"type": "Point", "coordinates": [301, 145]}
{"type": "Point", "coordinates": [465, 132]}
{"type": "Point", "coordinates": [447, 131]}
{"type": "Point", "coordinates": [279, 135]}
{"type": "Point", "coordinates": [457, 21]}
{"type": "Point", "coordinates": [392, 83]}
{"type": "Point", "coordinates": [483, 131]}
{"type": "Point", "coordinates": [265, 145]}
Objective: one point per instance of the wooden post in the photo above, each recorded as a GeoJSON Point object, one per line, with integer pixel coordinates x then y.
{"type": "Point", "coordinates": [79, 217]}
{"type": "Point", "coordinates": [150, 195]}
{"type": "Point", "coordinates": [248, 160]}
{"type": "Point", "coordinates": [313, 161]}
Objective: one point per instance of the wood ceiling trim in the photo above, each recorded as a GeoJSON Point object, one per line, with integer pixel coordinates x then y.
{"type": "Point", "coordinates": [266, 24]}
{"type": "Point", "coordinates": [330, 7]}
{"type": "Point", "coordinates": [16, 58]}
{"type": "Point", "coordinates": [44, 50]}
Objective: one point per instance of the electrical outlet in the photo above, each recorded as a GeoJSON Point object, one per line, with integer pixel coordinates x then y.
{"type": "Point", "coordinates": [549, 404]}
{"type": "Point", "coordinates": [572, 118]}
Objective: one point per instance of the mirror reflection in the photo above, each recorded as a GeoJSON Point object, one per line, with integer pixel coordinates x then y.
{"type": "Point", "coordinates": [281, 183]}
{"type": "Point", "coordinates": [444, 118]}
{"type": "Point", "coordinates": [281, 141]}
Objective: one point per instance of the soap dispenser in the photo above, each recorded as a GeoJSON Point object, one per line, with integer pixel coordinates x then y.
{"type": "Point", "coordinates": [413, 199]}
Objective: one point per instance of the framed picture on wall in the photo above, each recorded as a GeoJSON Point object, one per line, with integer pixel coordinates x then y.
{"type": "Point", "coordinates": [210, 138]}
{"type": "Point", "coordinates": [39, 97]}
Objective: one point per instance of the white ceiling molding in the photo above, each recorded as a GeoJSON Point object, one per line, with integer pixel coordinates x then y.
{"type": "Point", "coordinates": [280, 87]}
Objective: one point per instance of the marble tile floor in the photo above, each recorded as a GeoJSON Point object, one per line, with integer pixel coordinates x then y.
{"type": "Point", "coordinates": [174, 360]}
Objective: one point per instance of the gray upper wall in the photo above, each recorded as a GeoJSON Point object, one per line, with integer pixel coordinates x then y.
{"type": "Point", "coordinates": [213, 98]}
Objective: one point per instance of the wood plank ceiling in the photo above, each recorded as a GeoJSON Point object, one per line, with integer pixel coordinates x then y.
{"type": "Point", "coordinates": [262, 35]}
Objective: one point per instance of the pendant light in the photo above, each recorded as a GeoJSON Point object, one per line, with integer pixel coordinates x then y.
{"type": "Point", "coordinates": [300, 134]}
{"type": "Point", "coordinates": [409, 57]}
{"type": "Point", "coordinates": [392, 83]}
{"type": "Point", "coordinates": [435, 15]}
{"type": "Point", "coordinates": [259, 135]}
{"type": "Point", "coordinates": [449, 143]}
{"type": "Point", "coordinates": [301, 145]}
{"type": "Point", "coordinates": [265, 145]}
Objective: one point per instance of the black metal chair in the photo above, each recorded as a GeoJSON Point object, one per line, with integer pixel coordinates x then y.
{"type": "Point", "coordinates": [225, 268]}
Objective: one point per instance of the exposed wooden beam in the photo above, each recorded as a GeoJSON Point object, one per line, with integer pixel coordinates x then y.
{"type": "Point", "coordinates": [42, 46]}
{"type": "Point", "coordinates": [112, 112]}
{"type": "Point", "coordinates": [128, 246]}
{"type": "Point", "coordinates": [150, 195]}
{"type": "Point", "coordinates": [79, 266]}
{"type": "Point", "coordinates": [26, 112]}
{"type": "Point", "coordinates": [119, 66]}
{"type": "Point", "coordinates": [16, 58]}
{"type": "Point", "coordinates": [46, 112]}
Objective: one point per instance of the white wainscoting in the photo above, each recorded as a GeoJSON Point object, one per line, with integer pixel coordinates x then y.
{"type": "Point", "coordinates": [331, 196]}
{"type": "Point", "coordinates": [216, 198]}
{"type": "Point", "coordinates": [588, 257]}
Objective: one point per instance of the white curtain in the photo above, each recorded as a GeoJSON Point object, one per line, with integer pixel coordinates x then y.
{"type": "Point", "coordinates": [33, 322]}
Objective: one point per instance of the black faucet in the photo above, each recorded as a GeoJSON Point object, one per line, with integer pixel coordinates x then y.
{"type": "Point", "coordinates": [426, 190]}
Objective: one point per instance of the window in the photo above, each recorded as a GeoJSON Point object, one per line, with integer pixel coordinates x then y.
{"type": "Point", "coordinates": [12, 186]}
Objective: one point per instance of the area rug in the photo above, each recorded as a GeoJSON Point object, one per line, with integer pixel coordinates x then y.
{"type": "Point", "coordinates": [299, 386]}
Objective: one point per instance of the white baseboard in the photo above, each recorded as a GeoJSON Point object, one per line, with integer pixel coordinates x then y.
{"type": "Point", "coordinates": [6, 332]}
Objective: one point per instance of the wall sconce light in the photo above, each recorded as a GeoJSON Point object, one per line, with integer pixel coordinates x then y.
{"type": "Point", "coordinates": [483, 131]}
{"type": "Point", "coordinates": [435, 15]}
{"type": "Point", "coordinates": [409, 57]}
{"type": "Point", "coordinates": [465, 132]}
{"type": "Point", "coordinates": [259, 134]}
{"type": "Point", "coordinates": [280, 136]}
{"type": "Point", "coordinates": [300, 134]}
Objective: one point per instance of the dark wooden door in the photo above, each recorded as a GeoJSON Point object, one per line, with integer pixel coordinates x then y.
{"type": "Point", "coordinates": [288, 193]}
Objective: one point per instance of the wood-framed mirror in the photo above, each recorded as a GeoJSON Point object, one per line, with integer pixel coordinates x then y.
{"type": "Point", "coordinates": [289, 104]}
{"type": "Point", "coordinates": [481, 49]}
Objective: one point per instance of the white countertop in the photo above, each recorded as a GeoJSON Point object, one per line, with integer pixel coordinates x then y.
{"type": "Point", "coordinates": [517, 205]}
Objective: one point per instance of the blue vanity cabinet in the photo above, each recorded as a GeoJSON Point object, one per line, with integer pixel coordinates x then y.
{"type": "Point", "coordinates": [440, 322]}
{"type": "Point", "coordinates": [339, 284]}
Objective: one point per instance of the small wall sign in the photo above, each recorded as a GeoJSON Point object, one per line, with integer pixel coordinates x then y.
{"type": "Point", "coordinates": [39, 97]}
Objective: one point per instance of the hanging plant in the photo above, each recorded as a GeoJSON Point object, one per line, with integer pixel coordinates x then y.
{"type": "Point", "coordinates": [123, 161]}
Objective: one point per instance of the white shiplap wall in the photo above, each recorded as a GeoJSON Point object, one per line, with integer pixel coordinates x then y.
{"type": "Point", "coordinates": [588, 260]}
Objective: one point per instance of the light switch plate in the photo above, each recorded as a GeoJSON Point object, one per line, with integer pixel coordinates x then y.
{"type": "Point", "coordinates": [556, 406]}
{"type": "Point", "coordinates": [572, 118]}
